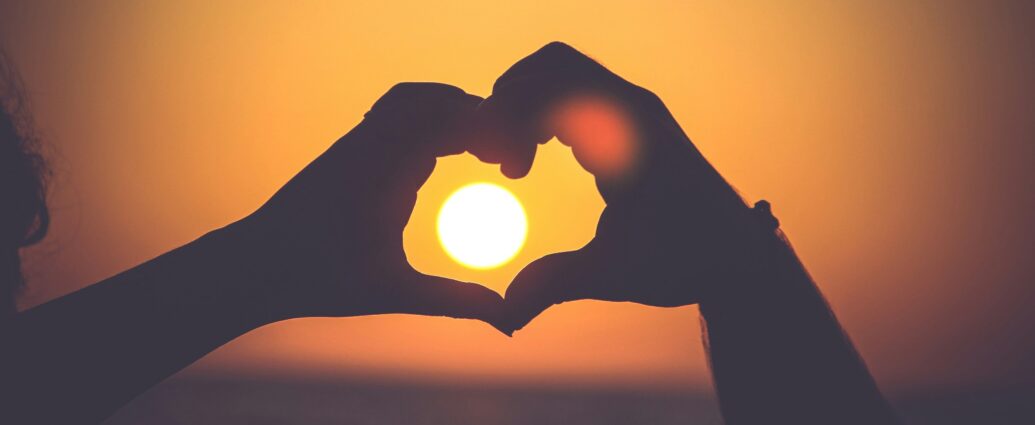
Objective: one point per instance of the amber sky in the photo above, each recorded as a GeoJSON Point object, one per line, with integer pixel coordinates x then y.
{"type": "Point", "coordinates": [895, 139]}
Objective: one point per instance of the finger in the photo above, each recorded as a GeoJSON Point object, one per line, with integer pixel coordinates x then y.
{"type": "Point", "coordinates": [423, 119]}
{"type": "Point", "coordinates": [548, 281]}
{"type": "Point", "coordinates": [501, 138]}
{"type": "Point", "coordinates": [558, 91]}
{"type": "Point", "coordinates": [522, 95]}
{"type": "Point", "coordinates": [555, 58]}
{"type": "Point", "coordinates": [520, 161]}
{"type": "Point", "coordinates": [439, 296]}
{"type": "Point", "coordinates": [411, 125]}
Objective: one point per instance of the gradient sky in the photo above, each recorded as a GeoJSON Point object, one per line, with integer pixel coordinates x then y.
{"type": "Point", "coordinates": [895, 141]}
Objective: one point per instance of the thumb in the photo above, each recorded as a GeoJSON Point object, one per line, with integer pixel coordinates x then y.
{"type": "Point", "coordinates": [553, 279]}
{"type": "Point", "coordinates": [439, 296]}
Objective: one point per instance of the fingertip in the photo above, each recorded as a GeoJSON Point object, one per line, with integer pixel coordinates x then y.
{"type": "Point", "coordinates": [505, 330]}
{"type": "Point", "coordinates": [520, 162]}
{"type": "Point", "coordinates": [514, 154]}
{"type": "Point", "coordinates": [518, 318]}
{"type": "Point", "coordinates": [513, 171]}
{"type": "Point", "coordinates": [517, 324]}
{"type": "Point", "coordinates": [522, 303]}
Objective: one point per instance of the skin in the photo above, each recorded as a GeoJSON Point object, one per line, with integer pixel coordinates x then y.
{"type": "Point", "coordinates": [329, 243]}
{"type": "Point", "coordinates": [675, 233]}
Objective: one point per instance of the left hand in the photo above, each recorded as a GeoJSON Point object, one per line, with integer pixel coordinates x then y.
{"type": "Point", "coordinates": [330, 240]}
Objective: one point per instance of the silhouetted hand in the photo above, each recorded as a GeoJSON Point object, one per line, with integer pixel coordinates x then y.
{"type": "Point", "coordinates": [672, 229]}
{"type": "Point", "coordinates": [331, 238]}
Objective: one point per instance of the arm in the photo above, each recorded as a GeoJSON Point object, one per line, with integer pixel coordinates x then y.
{"type": "Point", "coordinates": [675, 233]}
{"type": "Point", "coordinates": [329, 243]}
{"type": "Point", "coordinates": [78, 358]}
{"type": "Point", "coordinates": [778, 354]}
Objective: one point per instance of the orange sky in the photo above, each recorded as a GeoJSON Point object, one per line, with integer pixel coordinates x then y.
{"type": "Point", "coordinates": [895, 142]}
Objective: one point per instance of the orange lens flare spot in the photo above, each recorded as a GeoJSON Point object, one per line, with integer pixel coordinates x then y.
{"type": "Point", "coordinates": [600, 133]}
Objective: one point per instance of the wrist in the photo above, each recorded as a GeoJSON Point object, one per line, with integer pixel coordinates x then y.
{"type": "Point", "coordinates": [249, 269]}
{"type": "Point", "coordinates": [759, 264]}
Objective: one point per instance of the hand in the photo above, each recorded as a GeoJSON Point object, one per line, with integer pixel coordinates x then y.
{"type": "Point", "coordinates": [330, 240]}
{"type": "Point", "coordinates": [672, 229]}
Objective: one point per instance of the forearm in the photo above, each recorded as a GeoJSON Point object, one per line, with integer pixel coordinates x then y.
{"type": "Point", "coordinates": [778, 354]}
{"type": "Point", "coordinates": [80, 357]}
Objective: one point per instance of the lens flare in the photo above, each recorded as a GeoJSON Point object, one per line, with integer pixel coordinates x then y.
{"type": "Point", "coordinates": [600, 133]}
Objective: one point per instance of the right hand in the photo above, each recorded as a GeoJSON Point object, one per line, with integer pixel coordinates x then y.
{"type": "Point", "coordinates": [672, 228]}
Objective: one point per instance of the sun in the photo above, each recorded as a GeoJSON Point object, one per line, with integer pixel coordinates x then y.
{"type": "Point", "coordinates": [482, 225]}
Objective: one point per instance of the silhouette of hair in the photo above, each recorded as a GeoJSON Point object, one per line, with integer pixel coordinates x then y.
{"type": "Point", "coordinates": [24, 217]}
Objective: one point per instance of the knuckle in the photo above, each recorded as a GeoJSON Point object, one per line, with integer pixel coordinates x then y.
{"type": "Point", "coordinates": [558, 49]}
{"type": "Point", "coordinates": [558, 55]}
{"type": "Point", "coordinates": [392, 98]}
{"type": "Point", "coordinates": [646, 96]}
{"type": "Point", "coordinates": [419, 98]}
{"type": "Point", "coordinates": [420, 90]}
{"type": "Point", "coordinates": [548, 58]}
{"type": "Point", "coordinates": [400, 90]}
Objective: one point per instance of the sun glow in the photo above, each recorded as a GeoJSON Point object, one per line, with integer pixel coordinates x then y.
{"type": "Point", "coordinates": [482, 225]}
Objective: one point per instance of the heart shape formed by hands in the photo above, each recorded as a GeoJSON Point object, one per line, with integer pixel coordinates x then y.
{"type": "Point", "coordinates": [672, 228]}
{"type": "Point", "coordinates": [669, 234]}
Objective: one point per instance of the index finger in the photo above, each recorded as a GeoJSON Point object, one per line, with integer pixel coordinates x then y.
{"type": "Point", "coordinates": [512, 114]}
{"type": "Point", "coordinates": [426, 119]}
{"type": "Point", "coordinates": [408, 128]}
{"type": "Point", "coordinates": [558, 91]}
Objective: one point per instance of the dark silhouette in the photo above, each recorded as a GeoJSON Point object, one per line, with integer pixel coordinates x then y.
{"type": "Point", "coordinates": [673, 233]}
{"type": "Point", "coordinates": [329, 243]}
{"type": "Point", "coordinates": [24, 218]}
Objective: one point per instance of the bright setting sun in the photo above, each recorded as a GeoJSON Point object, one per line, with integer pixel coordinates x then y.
{"type": "Point", "coordinates": [482, 225]}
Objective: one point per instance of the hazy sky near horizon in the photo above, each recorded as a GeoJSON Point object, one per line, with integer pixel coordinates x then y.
{"type": "Point", "coordinates": [896, 141]}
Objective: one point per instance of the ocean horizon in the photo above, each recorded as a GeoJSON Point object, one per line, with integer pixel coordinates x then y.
{"type": "Point", "coordinates": [200, 400]}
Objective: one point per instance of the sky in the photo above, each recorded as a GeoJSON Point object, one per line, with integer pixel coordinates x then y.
{"type": "Point", "coordinates": [895, 141]}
